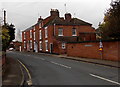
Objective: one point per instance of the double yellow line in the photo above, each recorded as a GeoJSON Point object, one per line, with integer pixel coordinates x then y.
{"type": "Point", "coordinates": [30, 78]}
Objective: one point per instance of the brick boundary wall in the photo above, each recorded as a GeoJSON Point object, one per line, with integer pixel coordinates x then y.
{"type": "Point", "coordinates": [3, 62]}
{"type": "Point", "coordinates": [111, 50]}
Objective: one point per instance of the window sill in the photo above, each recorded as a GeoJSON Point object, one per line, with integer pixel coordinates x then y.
{"type": "Point", "coordinates": [60, 35]}
{"type": "Point", "coordinates": [47, 50]}
{"type": "Point", "coordinates": [74, 35]}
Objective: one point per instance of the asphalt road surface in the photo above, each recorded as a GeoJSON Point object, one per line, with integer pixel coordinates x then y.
{"type": "Point", "coordinates": [51, 70]}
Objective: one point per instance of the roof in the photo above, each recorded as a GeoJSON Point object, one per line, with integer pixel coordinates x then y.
{"type": "Point", "coordinates": [30, 28]}
{"type": "Point", "coordinates": [60, 21]}
{"type": "Point", "coordinates": [73, 21]}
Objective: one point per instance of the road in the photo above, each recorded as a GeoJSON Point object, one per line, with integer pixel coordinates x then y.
{"type": "Point", "coordinates": [51, 70]}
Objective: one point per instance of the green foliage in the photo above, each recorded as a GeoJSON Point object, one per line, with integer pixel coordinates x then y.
{"type": "Point", "coordinates": [110, 28]}
{"type": "Point", "coordinates": [8, 34]}
{"type": "Point", "coordinates": [11, 32]}
{"type": "Point", "coordinates": [5, 38]}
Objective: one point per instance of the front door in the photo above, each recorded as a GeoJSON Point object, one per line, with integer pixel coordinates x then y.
{"type": "Point", "coordinates": [51, 48]}
{"type": "Point", "coordinates": [35, 47]}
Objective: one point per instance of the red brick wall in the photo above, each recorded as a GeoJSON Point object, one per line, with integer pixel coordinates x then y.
{"type": "Point", "coordinates": [67, 30]}
{"type": "Point", "coordinates": [51, 39]}
{"type": "Point", "coordinates": [119, 50]}
{"type": "Point", "coordinates": [91, 50]}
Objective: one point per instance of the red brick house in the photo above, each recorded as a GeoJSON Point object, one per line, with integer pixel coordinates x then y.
{"type": "Point", "coordinates": [52, 33]}
{"type": "Point", "coordinates": [16, 45]}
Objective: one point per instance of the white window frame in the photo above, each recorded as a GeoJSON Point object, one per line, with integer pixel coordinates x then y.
{"type": "Point", "coordinates": [30, 33]}
{"type": "Point", "coordinates": [40, 34]}
{"type": "Point", "coordinates": [60, 33]}
{"type": "Point", "coordinates": [46, 45]}
{"type": "Point", "coordinates": [46, 32]}
{"type": "Point", "coordinates": [74, 31]}
{"type": "Point", "coordinates": [24, 44]}
{"type": "Point", "coordinates": [34, 34]}
{"type": "Point", "coordinates": [24, 35]}
{"type": "Point", "coordinates": [40, 45]}
{"type": "Point", "coordinates": [63, 45]}
{"type": "Point", "coordinates": [31, 44]}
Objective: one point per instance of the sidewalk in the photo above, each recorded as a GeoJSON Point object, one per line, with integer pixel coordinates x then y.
{"type": "Point", "coordinates": [13, 73]}
{"type": "Point", "coordinates": [89, 60]}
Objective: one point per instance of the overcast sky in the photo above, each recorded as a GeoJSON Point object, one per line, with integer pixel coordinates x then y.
{"type": "Point", "coordinates": [25, 13]}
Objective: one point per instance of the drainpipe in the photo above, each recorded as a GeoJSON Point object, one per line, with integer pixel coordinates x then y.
{"type": "Point", "coordinates": [54, 29]}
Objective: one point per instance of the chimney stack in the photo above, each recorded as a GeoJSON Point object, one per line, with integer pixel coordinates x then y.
{"type": "Point", "coordinates": [67, 17]}
{"type": "Point", "coordinates": [40, 19]}
{"type": "Point", "coordinates": [54, 12]}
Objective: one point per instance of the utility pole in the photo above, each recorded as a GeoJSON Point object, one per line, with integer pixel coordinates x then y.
{"type": "Point", "coordinates": [4, 17]}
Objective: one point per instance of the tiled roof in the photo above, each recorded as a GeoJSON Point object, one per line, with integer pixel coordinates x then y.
{"type": "Point", "coordinates": [32, 27]}
{"type": "Point", "coordinates": [73, 21]}
{"type": "Point", "coordinates": [58, 21]}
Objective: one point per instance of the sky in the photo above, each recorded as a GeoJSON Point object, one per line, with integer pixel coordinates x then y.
{"type": "Point", "coordinates": [25, 13]}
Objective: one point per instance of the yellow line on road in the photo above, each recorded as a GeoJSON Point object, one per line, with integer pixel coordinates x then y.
{"type": "Point", "coordinates": [30, 79]}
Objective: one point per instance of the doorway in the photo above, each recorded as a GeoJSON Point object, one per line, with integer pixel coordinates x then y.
{"type": "Point", "coordinates": [51, 48]}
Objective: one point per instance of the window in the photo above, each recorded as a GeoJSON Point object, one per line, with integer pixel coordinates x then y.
{"type": "Point", "coordinates": [40, 45]}
{"type": "Point", "coordinates": [34, 35]}
{"type": "Point", "coordinates": [63, 45]}
{"type": "Point", "coordinates": [34, 28]}
{"type": "Point", "coordinates": [46, 45]}
{"type": "Point", "coordinates": [60, 32]}
{"type": "Point", "coordinates": [24, 35]}
{"type": "Point", "coordinates": [40, 34]}
{"type": "Point", "coordinates": [30, 43]}
{"type": "Point", "coordinates": [46, 32]}
{"type": "Point", "coordinates": [39, 25]}
{"type": "Point", "coordinates": [34, 46]}
{"type": "Point", "coordinates": [74, 32]}
{"type": "Point", "coordinates": [24, 44]}
{"type": "Point", "coordinates": [30, 33]}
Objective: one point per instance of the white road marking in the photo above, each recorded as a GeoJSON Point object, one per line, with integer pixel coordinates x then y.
{"type": "Point", "coordinates": [42, 59]}
{"type": "Point", "coordinates": [61, 65]}
{"type": "Point", "coordinates": [105, 79]}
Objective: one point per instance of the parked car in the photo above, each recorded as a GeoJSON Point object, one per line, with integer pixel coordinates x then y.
{"type": "Point", "coordinates": [11, 49]}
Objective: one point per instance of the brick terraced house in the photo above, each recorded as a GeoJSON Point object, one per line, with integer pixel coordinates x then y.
{"type": "Point", "coordinates": [51, 34]}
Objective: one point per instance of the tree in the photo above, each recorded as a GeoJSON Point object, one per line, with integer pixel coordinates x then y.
{"type": "Point", "coordinates": [8, 34]}
{"type": "Point", "coordinates": [110, 28]}
{"type": "Point", "coordinates": [5, 38]}
{"type": "Point", "coordinates": [11, 32]}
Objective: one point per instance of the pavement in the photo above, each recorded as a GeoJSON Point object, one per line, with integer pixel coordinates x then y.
{"type": "Point", "coordinates": [13, 73]}
{"type": "Point", "coordinates": [89, 60]}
